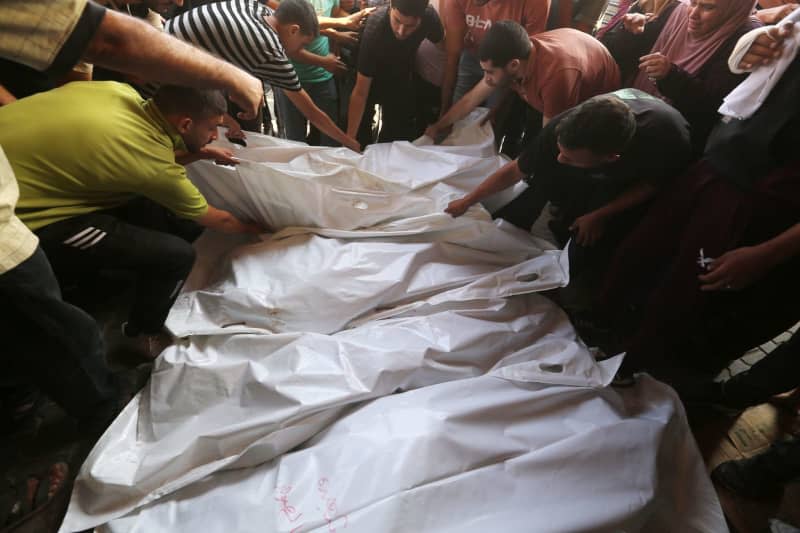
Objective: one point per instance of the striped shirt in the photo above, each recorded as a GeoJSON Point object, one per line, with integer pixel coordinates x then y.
{"type": "Point", "coordinates": [238, 32]}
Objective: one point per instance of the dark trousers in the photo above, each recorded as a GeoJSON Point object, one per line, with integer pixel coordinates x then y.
{"type": "Point", "coordinates": [398, 109]}
{"type": "Point", "coordinates": [141, 238]}
{"type": "Point", "coordinates": [652, 292]}
{"type": "Point", "coordinates": [428, 104]}
{"type": "Point", "coordinates": [51, 344]}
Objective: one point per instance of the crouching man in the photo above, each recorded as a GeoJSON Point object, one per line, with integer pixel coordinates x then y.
{"type": "Point", "coordinates": [598, 164]}
{"type": "Point", "coordinates": [100, 185]}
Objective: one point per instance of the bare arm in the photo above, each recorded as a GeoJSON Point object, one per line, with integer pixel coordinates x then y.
{"type": "Point", "coordinates": [470, 101]}
{"type": "Point", "coordinates": [783, 247]}
{"type": "Point", "coordinates": [591, 226]}
{"type": "Point", "coordinates": [456, 29]}
{"type": "Point", "coordinates": [131, 46]}
{"type": "Point", "coordinates": [226, 222]}
{"type": "Point", "coordinates": [741, 267]}
{"type": "Point", "coordinates": [330, 62]}
{"type": "Point", "coordinates": [358, 102]}
{"type": "Point", "coordinates": [351, 22]}
{"type": "Point", "coordinates": [317, 117]}
{"type": "Point", "coordinates": [502, 179]}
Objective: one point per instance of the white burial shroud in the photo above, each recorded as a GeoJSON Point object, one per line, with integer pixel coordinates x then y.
{"type": "Point", "coordinates": [438, 390]}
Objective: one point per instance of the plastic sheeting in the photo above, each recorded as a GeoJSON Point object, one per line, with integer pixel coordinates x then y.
{"type": "Point", "coordinates": [367, 290]}
{"type": "Point", "coordinates": [474, 455]}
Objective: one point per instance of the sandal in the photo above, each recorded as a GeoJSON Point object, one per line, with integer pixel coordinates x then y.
{"type": "Point", "coordinates": [23, 500]}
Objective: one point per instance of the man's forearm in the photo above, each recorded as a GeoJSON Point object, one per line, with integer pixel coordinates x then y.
{"type": "Point", "coordinates": [636, 195]}
{"type": "Point", "coordinates": [224, 221]}
{"type": "Point", "coordinates": [463, 107]}
{"type": "Point", "coordinates": [505, 177]}
{"type": "Point", "coordinates": [783, 247]}
{"type": "Point", "coordinates": [449, 81]}
{"type": "Point", "coordinates": [326, 23]}
{"type": "Point", "coordinates": [302, 101]}
{"type": "Point", "coordinates": [308, 58]}
{"type": "Point", "coordinates": [129, 45]}
{"type": "Point", "coordinates": [358, 102]}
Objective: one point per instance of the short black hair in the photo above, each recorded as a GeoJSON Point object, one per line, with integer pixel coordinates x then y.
{"type": "Point", "coordinates": [198, 104]}
{"type": "Point", "coordinates": [505, 40]}
{"type": "Point", "coordinates": [410, 8]}
{"type": "Point", "coordinates": [299, 12]}
{"type": "Point", "coordinates": [603, 124]}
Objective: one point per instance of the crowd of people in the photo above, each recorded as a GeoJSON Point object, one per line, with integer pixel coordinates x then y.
{"type": "Point", "coordinates": [681, 225]}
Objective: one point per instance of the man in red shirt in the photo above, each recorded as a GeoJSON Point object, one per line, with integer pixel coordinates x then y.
{"type": "Point", "coordinates": [466, 23]}
{"type": "Point", "coordinates": [552, 71]}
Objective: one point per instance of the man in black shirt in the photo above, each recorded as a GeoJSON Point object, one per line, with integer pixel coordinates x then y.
{"type": "Point", "coordinates": [597, 163]}
{"type": "Point", "coordinates": [385, 66]}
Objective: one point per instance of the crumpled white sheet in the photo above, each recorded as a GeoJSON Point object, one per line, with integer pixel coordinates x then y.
{"type": "Point", "coordinates": [282, 184]}
{"type": "Point", "coordinates": [474, 455]}
{"type": "Point", "coordinates": [747, 97]}
{"type": "Point", "coordinates": [227, 401]}
{"type": "Point", "coordinates": [288, 334]}
{"type": "Point", "coordinates": [292, 284]}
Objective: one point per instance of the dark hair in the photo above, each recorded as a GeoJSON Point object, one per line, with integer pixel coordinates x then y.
{"type": "Point", "coordinates": [299, 12]}
{"type": "Point", "coordinates": [196, 103]}
{"type": "Point", "coordinates": [603, 124]}
{"type": "Point", "coordinates": [410, 8]}
{"type": "Point", "coordinates": [505, 40]}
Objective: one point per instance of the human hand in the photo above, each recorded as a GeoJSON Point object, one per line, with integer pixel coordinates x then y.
{"type": "Point", "coordinates": [456, 208]}
{"type": "Point", "coordinates": [356, 20]}
{"type": "Point", "coordinates": [773, 15]}
{"type": "Point", "coordinates": [334, 65]}
{"type": "Point", "coordinates": [655, 65]}
{"type": "Point", "coordinates": [220, 155]}
{"type": "Point", "coordinates": [248, 94]}
{"type": "Point", "coordinates": [588, 228]}
{"type": "Point", "coordinates": [438, 133]}
{"type": "Point", "coordinates": [353, 144]}
{"type": "Point", "coordinates": [347, 38]}
{"type": "Point", "coordinates": [734, 270]}
{"type": "Point", "coordinates": [767, 47]}
{"type": "Point", "coordinates": [234, 130]}
{"type": "Point", "coordinates": [635, 22]}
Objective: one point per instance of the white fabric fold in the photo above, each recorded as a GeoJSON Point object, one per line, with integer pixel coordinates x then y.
{"type": "Point", "coordinates": [749, 95]}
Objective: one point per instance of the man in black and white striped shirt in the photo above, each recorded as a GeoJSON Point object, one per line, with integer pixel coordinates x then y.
{"type": "Point", "coordinates": [258, 39]}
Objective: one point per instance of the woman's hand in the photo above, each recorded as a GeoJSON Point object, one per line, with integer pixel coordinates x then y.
{"type": "Point", "coordinates": [635, 22]}
{"type": "Point", "coordinates": [656, 66]}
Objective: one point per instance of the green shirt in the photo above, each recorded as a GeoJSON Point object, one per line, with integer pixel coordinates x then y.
{"type": "Point", "coordinates": [89, 146]}
{"type": "Point", "coordinates": [319, 46]}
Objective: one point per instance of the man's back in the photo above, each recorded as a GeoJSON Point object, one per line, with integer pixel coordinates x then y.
{"type": "Point", "coordinates": [88, 146]}
{"type": "Point", "coordinates": [237, 31]}
{"type": "Point", "coordinates": [567, 68]}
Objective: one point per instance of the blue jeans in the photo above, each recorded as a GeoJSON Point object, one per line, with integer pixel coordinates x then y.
{"type": "Point", "coordinates": [469, 74]}
{"type": "Point", "coordinates": [295, 123]}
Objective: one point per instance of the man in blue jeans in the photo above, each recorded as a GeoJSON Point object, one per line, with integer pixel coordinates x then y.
{"type": "Point", "coordinates": [315, 66]}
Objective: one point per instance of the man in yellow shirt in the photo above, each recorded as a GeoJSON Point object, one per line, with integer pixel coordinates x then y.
{"type": "Point", "coordinates": [48, 344]}
{"type": "Point", "coordinates": [109, 195]}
